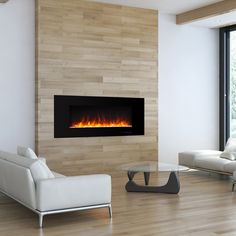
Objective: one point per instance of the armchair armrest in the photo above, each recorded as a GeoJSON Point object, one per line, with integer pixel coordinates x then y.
{"type": "Point", "coordinates": [74, 191]}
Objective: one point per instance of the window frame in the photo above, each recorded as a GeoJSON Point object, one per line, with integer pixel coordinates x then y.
{"type": "Point", "coordinates": [224, 85]}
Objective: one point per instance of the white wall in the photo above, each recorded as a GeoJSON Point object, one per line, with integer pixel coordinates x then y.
{"type": "Point", "coordinates": [188, 88]}
{"type": "Point", "coordinates": [188, 82]}
{"type": "Point", "coordinates": [16, 74]}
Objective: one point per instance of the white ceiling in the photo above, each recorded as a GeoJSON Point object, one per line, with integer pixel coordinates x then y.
{"type": "Point", "coordinates": [179, 6]}
{"type": "Point", "coordinates": [165, 6]}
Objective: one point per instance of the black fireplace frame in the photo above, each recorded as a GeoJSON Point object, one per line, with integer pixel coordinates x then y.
{"type": "Point", "coordinates": [61, 116]}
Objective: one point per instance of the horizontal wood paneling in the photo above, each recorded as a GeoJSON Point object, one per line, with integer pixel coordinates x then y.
{"type": "Point", "coordinates": [87, 48]}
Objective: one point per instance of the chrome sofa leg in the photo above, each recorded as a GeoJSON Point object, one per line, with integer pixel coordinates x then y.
{"type": "Point", "coordinates": [110, 210]}
{"type": "Point", "coordinates": [40, 220]}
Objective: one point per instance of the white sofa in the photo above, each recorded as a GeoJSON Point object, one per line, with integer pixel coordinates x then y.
{"type": "Point", "coordinates": [207, 160]}
{"type": "Point", "coordinates": [30, 182]}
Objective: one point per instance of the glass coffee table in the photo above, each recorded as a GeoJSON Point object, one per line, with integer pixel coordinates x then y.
{"type": "Point", "coordinates": [147, 167]}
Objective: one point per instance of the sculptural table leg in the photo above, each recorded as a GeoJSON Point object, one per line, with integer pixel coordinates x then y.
{"type": "Point", "coordinates": [172, 186]}
{"type": "Point", "coordinates": [146, 177]}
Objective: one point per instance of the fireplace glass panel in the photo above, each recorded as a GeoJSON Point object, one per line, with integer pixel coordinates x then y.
{"type": "Point", "coordinates": [87, 116]}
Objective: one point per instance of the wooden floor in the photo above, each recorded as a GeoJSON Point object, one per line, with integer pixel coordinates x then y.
{"type": "Point", "coordinates": [204, 206]}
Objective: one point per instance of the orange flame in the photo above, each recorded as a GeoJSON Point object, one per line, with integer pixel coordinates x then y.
{"type": "Point", "coordinates": [98, 123]}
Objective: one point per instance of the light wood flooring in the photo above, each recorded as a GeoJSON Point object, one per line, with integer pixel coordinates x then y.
{"type": "Point", "coordinates": [205, 206]}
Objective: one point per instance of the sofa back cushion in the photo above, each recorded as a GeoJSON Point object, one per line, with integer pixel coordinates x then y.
{"type": "Point", "coordinates": [230, 145]}
{"type": "Point", "coordinates": [17, 159]}
{"type": "Point", "coordinates": [26, 152]}
{"type": "Point", "coordinates": [18, 176]}
{"type": "Point", "coordinates": [230, 150]}
{"type": "Point", "coordinates": [228, 155]}
{"type": "Point", "coordinates": [40, 170]}
{"type": "Point", "coordinates": [16, 179]}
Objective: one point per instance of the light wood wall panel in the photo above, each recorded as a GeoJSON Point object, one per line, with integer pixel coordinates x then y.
{"type": "Point", "coordinates": [94, 49]}
{"type": "Point", "coordinates": [215, 9]}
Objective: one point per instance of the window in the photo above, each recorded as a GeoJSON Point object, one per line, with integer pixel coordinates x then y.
{"type": "Point", "coordinates": [227, 84]}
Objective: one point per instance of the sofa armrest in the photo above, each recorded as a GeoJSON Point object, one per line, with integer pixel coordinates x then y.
{"type": "Point", "coordinates": [74, 191]}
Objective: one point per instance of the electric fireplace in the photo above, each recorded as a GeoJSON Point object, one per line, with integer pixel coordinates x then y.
{"type": "Point", "coordinates": [86, 116]}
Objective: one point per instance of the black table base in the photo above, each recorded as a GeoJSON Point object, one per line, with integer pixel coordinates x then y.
{"type": "Point", "coordinates": [172, 186]}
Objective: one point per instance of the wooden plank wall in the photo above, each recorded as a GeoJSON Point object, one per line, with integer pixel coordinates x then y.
{"type": "Point", "coordinates": [94, 49]}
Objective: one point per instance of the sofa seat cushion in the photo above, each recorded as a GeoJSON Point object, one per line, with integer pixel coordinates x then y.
{"type": "Point", "coordinates": [230, 167]}
{"type": "Point", "coordinates": [212, 163]}
{"type": "Point", "coordinates": [188, 158]}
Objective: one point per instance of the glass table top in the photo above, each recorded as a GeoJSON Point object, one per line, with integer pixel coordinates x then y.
{"type": "Point", "coordinates": [152, 166]}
